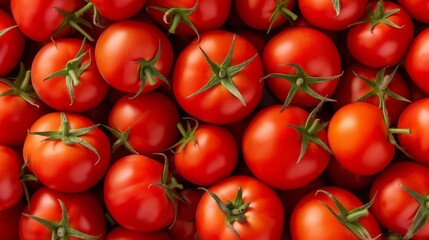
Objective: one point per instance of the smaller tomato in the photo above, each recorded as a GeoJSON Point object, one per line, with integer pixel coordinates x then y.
{"type": "Point", "coordinates": [118, 9]}
{"type": "Point", "coordinates": [9, 221]}
{"type": "Point", "coordinates": [416, 59]}
{"type": "Point", "coordinates": [10, 185]}
{"type": "Point", "coordinates": [121, 233]}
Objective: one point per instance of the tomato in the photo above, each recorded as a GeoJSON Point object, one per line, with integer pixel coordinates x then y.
{"type": "Point", "coordinates": [118, 9]}
{"type": "Point", "coordinates": [383, 83]}
{"type": "Point", "coordinates": [76, 151]}
{"type": "Point", "coordinates": [311, 218]}
{"type": "Point", "coordinates": [415, 117]}
{"type": "Point", "coordinates": [258, 211]}
{"type": "Point", "coordinates": [358, 137]}
{"type": "Point", "coordinates": [72, 72]}
{"type": "Point", "coordinates": [218, 79]}
{"type": "Point", "coordinates": [418, 9]}
{"type": "Point", "coordinates": [330, 15]}
{"type": "Point", "coordinates": [134, 56]}
{"type": "Point", "coordinates": [416, 59]}
{"type": "Point", "coordinates": [374, 42]}
{"type": "Point", "coordinates": [121, 233]}
{"type": "Point", "coordinates": [9, 221]}
{"type": "Point", "coordinates": [132, 197]}
{"type": "Point", "coordinates": [10, 169]}
{"type": "Point", "coordinates": [83, 210]}
{"type": "Point", "coordinates": [397, 214]}
{"type": "Point", "coordinates": [296, 59]}
{"type": "Point", "coordinates": [272, 148]}
{"type": "Point", "coordinates": [207, 154]}
{"type": "Point", "coordinates": [148, 122]}
{"type": "Point", "coordinates": [12, 43]}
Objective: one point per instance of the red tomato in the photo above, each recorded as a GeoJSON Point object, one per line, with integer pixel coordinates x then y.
{"type": "Point", "coordinates": [327, 15]}
{"type": "Point", "coordinates": [64, 66]}
{"type": "Point", "coordinates": [415, 117]}
{"type": "Point", "coordinates": [10, 185]}
{"type": "Point", "coordinates": [121, 233]}
{"type": "Point", "coordinates": [73, 167]}
{"type": "Point", "coordinates": [133, 56]}
{"type": "Point", "coordinates": [118, 9]}
{"type": "Point", "coordinates": [150, 120]}
{"type": "Point", "coordinates": [358, 137]}
{"type": "Point", "coordinates": [418, 9]}
{"type": "Point", "coordinates": [84, 212]}
{"type": "Point", "coordinates": [271, 148]}
{"type": "Point", "coordinates": [9, 221]}
{"type": "Point", "coordinates": [416, 60]}
{"type": "Point", "coordinates": [316, 56]}
{"type": "Point", "coordinates": [210, 157]}
{"type": "Point", "coordinates": [262, 218]}
{"type": "Point", "coordinates": [133, 199]}
{"type": "Point", "coordinates": [398, 214]}
{"type": "Point", "coordinates": [375, 43]}
{"type": "Point", "coordinates": [12, 43]}
{"type": "Point", "coordinates": [221, 94]}
{"type": "Point", "coordinates": [311, 219]}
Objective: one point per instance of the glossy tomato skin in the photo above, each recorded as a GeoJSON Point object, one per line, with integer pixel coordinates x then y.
{"type": "Point", "coordinates": [84, 210]}
{"type": "Point", "coordinates": [271, 149]}
{"type": "Point", "coordinates": [38, 20]}
{"type": "Point", "coordinates": [10, 184]}
{"type": "Point", "coordinates": [217, 105]}
{"type": "Point", "coordinates": [264, 216]}
{"type": "Point", "coordinates": [118, 9]}
{"type": "Point", "coordinates": [72, 168]}
{"type": "Point", "coordinates": [384, 45]}
{"type": "Point", "coordinates": [53, 57]}
{"type": "Point", "coordinates": [415, 118]}
{"type": "Point", "coordinates": [358, 138]}
{"type": "Point", "coordinates": [310, 49]}
{"type": "Point", "coordinates": [397, 214]}
{"type": "Point", "coordinates": [322, 13]}
{"type": "Point", "coordinates": [12, 44]}
{"type": "Point", "coordinates": [127, 42]}
{"type": "Point", "coordinates": [416, 60]}
{"type": "Point", "coordinates": [121, 233]}
{"type": "Point", "coordinates": [210, 159]}
{"type": "Point", "coordinates": [417, 9]}
{"type": "Point", "coordinates": [312, 220]}
{"type": "Point", "coordinates": [132, 198]}
{"type": "Point", "coordinates": [151, 119]}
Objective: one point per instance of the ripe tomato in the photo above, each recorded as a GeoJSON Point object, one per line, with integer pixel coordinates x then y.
{"type": "Point", "coordinates": [218, 79]}
{"type": "Point", "coordinates": [76, 151]}
{"type": "Point", "coordinates": [118, 9]}
{"type": "Point", "coordinates": [9, 221]}
{"type": "Point", "coordinates": [418, 9]}
{"type": "Point", "coordinates": [416, 60]}
{"type": "Point", "coordinates": [83, 210]}
{"type": "Point", "coordinates": [71, 72]}
{"type": "Point", "coordinates": [142, 54]}
{"type": "Point", "coordinates": [311, 218]}
{"type": "Point", "coordinates": [10, 185]}
{"type": "Point", "coordinates": [132, 196]}
{"type": "Point", "coordinates": [121, 233]}
{"type": "Point", "coordinates": [398, 214]}
{"type": "Point", "coordinates": [313, 55]}
{"type": "Point", "coordinates": [255, 211]}
{"type": "Point", "coordinates": [271, 148]}
{"type": "Point", "coordinates": [374, 42]}
{"type": "Point", "coordinates": [358, 137]}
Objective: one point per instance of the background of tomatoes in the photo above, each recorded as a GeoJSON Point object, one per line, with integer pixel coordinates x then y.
{"type": "Point", "coordinates": [190, 96]}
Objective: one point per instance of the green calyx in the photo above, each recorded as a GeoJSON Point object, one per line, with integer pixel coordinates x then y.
{"type": "Point", "coordinates": [234, 211]}
{"type": "Point", "coordinates": [187, 135]}
{"type": "Point", "coordinates": [21, 86]}
{"type": "Point", "coordinates": [379, 16]}
{"type": "Point", "coordinates": [281, 9]}
{"type": "Point", "coordinates": [72, 71]}
{"type": "Point", "coordinates": [309, 131]}
{"type": "Point", "coordinates": [62, 230]}
{"type": "Point", "coordinates": [422, 215]}
{"type": "Point", "coordinates": [121, 139]}
{"type": "Point", "coordinates": [4, 31]}
{"type": "Point", "coordinates": [147, 71]}
{"type": "Point", "coordinates": [337, 7]}
{"type": "Point", "coordinates": [24, 178]}
{"type": "Point", "coordinates": [74, 20]}
{"type": "Point", "coordinates": [178, 15]}
{"type": "Point", "coordinates": [301, 81]}
{"type": "Point", "coordinates": [223, 74]}
{"type": "Point", "coordinates": [350, 219]}
{"type": "Point", "coordinates": [69, 136]}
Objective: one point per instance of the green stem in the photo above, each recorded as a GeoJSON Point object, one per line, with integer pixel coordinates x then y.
{"type": "Point", "coordinates": [177, 18]}
{"type": "Point", "coordinates": [25, 81]}
{"type": "Point", "coordinates": [148, 73]}
{"type": "Point", "coordinates": [84, 9]}
{"type": "Point", "coordinates": [76, 26]}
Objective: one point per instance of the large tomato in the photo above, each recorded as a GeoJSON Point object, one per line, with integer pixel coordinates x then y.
{"type": "Point", "coordinates": [303, 66]}
{"type": "Point", "coordinates": [218, 79]}
{"type": "Point", "coordinates": [10, 169]}
{"type": "Point", "coordinates": [417, 59]}
{"type": "Point", "coordinates": [75, 149]}
{"type": "Point", "coordinates": [254, 211]}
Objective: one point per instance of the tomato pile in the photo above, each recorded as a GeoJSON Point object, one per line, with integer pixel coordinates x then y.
{"type": "Point", "coordinates": [208, 119]}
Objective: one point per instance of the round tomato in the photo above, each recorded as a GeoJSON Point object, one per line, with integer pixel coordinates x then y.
{"type": "Point", "coordinates": [118, 9]}
{"type": "Point", "coordinates": [76, 151]}
{"type": "Point", "coordinates": [418, 9]}
{"type": "Point", "coordinates": [252, 210]}
{"type": "Point", "coordinates": [134, 56]}
{"type": "Point", "coordinates": [65, 76]}
{"type": "Point", "coordinates": [218, 79]}
{"type": "Point", "coordinates": [9, 221]}
{"type": "Point", "coordinates": [10, 169]}
{"type": "Point", "coordinates": [416, 60]}
{"type": "Point", "coordinates": [121, 233]}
